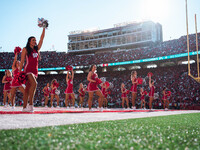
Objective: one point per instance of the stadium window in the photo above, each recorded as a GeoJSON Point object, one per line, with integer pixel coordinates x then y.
{"type": "Point", "coordinates": [41, 73]}
{"type": "Point", "coordinates": [152, 66]}
{"type": "Point", "coordinates": [186, 62]}
{"type": "Point", "coordinates": [53, 72]}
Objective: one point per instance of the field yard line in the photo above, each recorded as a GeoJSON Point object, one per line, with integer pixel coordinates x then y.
{"type": "Point", "coordinates": [21, 121]}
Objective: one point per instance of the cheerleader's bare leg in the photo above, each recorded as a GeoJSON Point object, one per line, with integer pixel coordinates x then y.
{"type": "Point", "coordinates": [4, 97]}
{"type": "Point", "coordinates": [66, 99]}
{"type": "Point", "coordinates": [52, 97]}
{"type": "Point", "coordinates": [90, 99]}
{"type": "Point", "coordinates": [133, 99]}
{"type": "Point", "coordinates": [73, 100]}
{"type": "Point", "coordinates": [58, 99]}
{"type": "Point", "coordinates": [32, 89]}
{"type": "Point", "coordinates": [100, 100]}
{"type": "Point", "coordinates": [122, 102]}
{"type": "Point", "coordinates": [127, 104]}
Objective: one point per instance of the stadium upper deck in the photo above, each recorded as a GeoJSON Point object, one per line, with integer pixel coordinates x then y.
{"type": "Point", "coordinates": [124, 35]}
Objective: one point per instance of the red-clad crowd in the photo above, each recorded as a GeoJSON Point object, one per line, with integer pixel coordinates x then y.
{"type": "Point", "coordinates": [60, 59]}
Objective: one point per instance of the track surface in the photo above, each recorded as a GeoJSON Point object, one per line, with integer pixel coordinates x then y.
{"type": "Point", "coordinates": [15, 119]}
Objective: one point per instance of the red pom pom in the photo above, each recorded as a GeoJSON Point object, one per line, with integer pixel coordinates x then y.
{"type": "Point", "coordinates": [9, 79]}
{"type": "Point", "coordinates": [56, 84]}
{"type": "Point", "coordinates": [68, 67]}
{"type": "Point", "coordinates": [169, 93]}
{"type": "Point", "coordinates": [128, 91]}
{"type": "Point", "coordinates": [17, 49]}
{"type": "Point", "coordinates": [150, 74]}
{"type": "Point", "coordinates": [109, 92]}
{"type": "Point", "coordinates": [22, 77]}
{"type": "Point", "coordinates": [145, 92]}
{"type": "Point", "coordinates": [140, 80]}
{"type": "Point", "coordinates": [98, 81]}
{"type": "Point", "coordinates": [107, 84]}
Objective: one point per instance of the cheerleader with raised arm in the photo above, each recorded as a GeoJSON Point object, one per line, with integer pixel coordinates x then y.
{"type": "Point", "coordinates": [134, 87]}
{"type": "Point", "coordinates": [69, 89]}
{"type": "Point", "coordinates": [93, 87]}
{"type": "Point", "coordinates": [31, 54]}
{"type": "Point", "coordinates": [7, 79]}
{"type": "Point", "coordinates": [124, 95]}
{"type": "Point", "coordinates": [46, 91]}
{"type": "Point", "coordinates": [81, 91]}
{"type": "Point", "coordinates": [15, 83]}
{"type": "Point", "coordinates": [54, 87]}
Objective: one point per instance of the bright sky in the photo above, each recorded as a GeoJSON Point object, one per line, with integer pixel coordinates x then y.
{"type": "Point", "coordinates": [19, 18]}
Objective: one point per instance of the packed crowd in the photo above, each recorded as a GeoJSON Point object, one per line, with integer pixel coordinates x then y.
{"type": "Point", "coordinates": [61, 59]}
{"type": "Point", "coordinates": [185, 90]}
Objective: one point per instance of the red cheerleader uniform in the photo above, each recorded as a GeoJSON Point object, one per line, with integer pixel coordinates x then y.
{"type": "Point", "coordinates": [124, 95]}
{"type": "Point", "coordinates": [134, 87]}
{"type": "Point", "coordinates": [152, 90]}
{"type": "Point", "coordinates": [32, 63]}
{"type": "Point", "coordinates": [53, 91]}
{"type": "Point", "coordinates": [46, 94]}
{"type": "Point", "coordinates": [82, 94]}
{"type": "Point", "coordinates": [142, 96]}
{"type": "Point", "coordinates": [15, 82]}
{"type": "Point", "coordinates": [93, 86]}
{"type": "Point", "coordinates": [7, 86]}
{"type": "Point", "coordinates": [164, 96]}
{"type": "Point", "coordinates": [69, 89]}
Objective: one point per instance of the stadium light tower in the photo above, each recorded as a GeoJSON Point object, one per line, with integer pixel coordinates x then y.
{"type": "Point", "coordinates": [189, 73]}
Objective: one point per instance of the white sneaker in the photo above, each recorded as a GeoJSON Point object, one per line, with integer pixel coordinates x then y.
{"type": "Point", "coordinates": [52, 107]}
{"type": "Point", "coordinates": [97, 107]}
{"type": "Point", "coordinates": [13, 107]}
{"type": "Point", "coordinates": [58, 107]}
{"type": "Point", "coordinates": [101, 109]}
{"type": "Point", "coordinates": [91, 109]}
{"type": "Point", "coordinates": [4, 106]}
{"type": "Point", "coordinates": [67, 107]}
{"type": "Point", "coordinates": [28, 109]}
{"type": "Point", "coordinates": [45, 106]}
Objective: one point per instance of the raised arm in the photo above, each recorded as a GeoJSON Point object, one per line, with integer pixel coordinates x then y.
{"type": "Point", "coordinates": [72, 74]}
{"type": "Point", "coordinates": [150, 81]}
{"type": "Point", "coordinates": [41, 39]}
{"type": "Point", "coordinates": [67, 76]}
{"type": "Point", "coordinates": [14, 62]}
{"type": "Point", "coordinates": [23, 55]}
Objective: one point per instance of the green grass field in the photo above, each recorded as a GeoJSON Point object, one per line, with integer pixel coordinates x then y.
{"type": "Point", "coordinates": [168, 132]}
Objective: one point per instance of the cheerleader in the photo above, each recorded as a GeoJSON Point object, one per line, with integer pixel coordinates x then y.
{"type": "Point", "coordinates": [15, 84]}
{"type": "Point", "coordinates": [151, 93]}
{"type": "Point", "coordinates": [142, 93]}
{"type": "Point", "coordinates": [93, 87]}
{"type": "Point", "coordinates": [31, 53]}
{"type": "Point", "coordinates": [165, 99]}
{"type": "Point", "coordinates": [7, 79]}
{"type": "Point", "coordinates": [134, 87]}
{"type": "Point", "coordinates": [81, 91]}
{"type": "Point", "coordinates": [124, 95]}
{"type": "Point", "coordinates": [46, 91]}
{"type": "Point", "coordinates": [69, 89]}
{"type": "Point", "coordinates": [53, 92]}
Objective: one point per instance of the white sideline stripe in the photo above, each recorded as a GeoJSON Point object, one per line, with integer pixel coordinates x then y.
{"type": "Point", "coordinates": [21, 121]}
